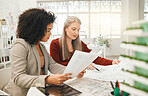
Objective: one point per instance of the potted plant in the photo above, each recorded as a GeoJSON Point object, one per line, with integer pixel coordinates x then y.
{"type": "Point", "coordinates": [102, 40]}
{"type": "Point", "coordinates": [3, 22]}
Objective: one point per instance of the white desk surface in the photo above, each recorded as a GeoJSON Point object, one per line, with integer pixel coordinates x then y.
{"type": "Point", "coordinates": [88, 87]}
{"type": "Point", "coordinates": [91, 87]}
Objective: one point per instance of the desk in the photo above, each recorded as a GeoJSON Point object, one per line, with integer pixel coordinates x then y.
{"type": "Point", "coordinates": [95, 83]}
{"type": "Point", "coordinates": [88, 87]}
{"type": "Point", "coordinates": [91, 87]}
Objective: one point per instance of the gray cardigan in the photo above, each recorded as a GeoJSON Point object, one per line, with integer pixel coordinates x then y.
{"type": "Point", "coordinates": [26, 67]}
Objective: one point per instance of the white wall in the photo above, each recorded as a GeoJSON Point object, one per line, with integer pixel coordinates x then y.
{"type": "Point", "coordinates": [7, 6]}
{"type": "Point", "coordinates": [16, 7]}
{"type": "Point", "coordinates": [26, 4]}
{"type": "Point", "coordinates": [132, 10]}
{"type": "Point", "coordinates": [115, 49]}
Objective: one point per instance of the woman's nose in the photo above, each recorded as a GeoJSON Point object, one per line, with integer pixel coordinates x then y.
{"type": "Point", "coordinates": [50, 33]}
{"type": "Point", "coordinates": [76, 32]}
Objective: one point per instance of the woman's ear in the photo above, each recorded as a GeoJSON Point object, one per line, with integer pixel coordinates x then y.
{"type": "Point", "coordinates": [66, 29]}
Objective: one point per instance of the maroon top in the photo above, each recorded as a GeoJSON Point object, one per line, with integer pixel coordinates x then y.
{"type": "Point", "coordinates": [56, 54]}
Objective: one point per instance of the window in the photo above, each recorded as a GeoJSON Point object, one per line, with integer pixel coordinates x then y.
{"type": "Point", "coordinates": [146, 10]}
{"type": "Point", "coordinates": [97, 16]}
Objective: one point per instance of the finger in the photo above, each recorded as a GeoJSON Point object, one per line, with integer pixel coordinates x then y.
{"type": "Point", "coordinates": [92, 65]}
{"type": "Point", "coordinates": [59, 83]}
{"type": "Point", "coordinates": [87, 68]}
{"type": "Point", "coordinates": [64, 75]}
{"type": "Point", "coordinates": [80, 75]}
{"type": "Point", "coordinates": [83, 71]}
{"type": "Point", "coordinates": [117, 61]}
{"type": "Point", "coordinates": [66, 78]}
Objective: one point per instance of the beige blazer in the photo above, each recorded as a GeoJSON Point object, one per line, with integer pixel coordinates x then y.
{"type": "Point", "coordinates": [26, 67]}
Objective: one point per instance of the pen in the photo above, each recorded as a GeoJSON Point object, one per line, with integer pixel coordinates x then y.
{"type": "Point", "coordinates": [97, 69]}
{"type": "Point", "coordinates": [112, 87]}
{"type": "Point", "coordinates": [112, 84]}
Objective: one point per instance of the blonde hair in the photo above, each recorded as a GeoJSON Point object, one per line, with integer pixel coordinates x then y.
{"type": "Point", "coordinates": [75, 43]}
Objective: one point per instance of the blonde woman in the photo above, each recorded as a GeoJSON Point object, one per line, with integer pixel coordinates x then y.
{"type": "Point", "coordinates": [62, 49]}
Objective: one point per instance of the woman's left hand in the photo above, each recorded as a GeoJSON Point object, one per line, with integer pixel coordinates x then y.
{"type": "Point", "coordinates": [115, 61]}
{"type": "Point", "coordinates": [81, 74]}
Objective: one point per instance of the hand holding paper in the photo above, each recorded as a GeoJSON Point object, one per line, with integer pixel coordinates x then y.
{"type": "Point", "coordinates": [79, 61]}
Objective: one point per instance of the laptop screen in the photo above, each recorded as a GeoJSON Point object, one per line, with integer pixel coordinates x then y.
{"type": "Point", "coordinates": [62, 90]}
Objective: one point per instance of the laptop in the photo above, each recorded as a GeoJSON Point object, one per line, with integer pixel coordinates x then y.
{"type": "Point", "coordinates": [62, 90]}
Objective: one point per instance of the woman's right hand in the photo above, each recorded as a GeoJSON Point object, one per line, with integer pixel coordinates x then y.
{"type": "Point", "coordinates": [90, 67]}
{"type": "Point", "coordinates": [57, 79]}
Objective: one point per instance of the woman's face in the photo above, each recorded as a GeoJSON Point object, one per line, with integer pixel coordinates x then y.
{"type": "Point", "coordinates": [48, 33]}
{"type": "Point", "coordinates": [72, 31]}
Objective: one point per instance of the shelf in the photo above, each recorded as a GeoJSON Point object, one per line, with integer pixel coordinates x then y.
{"type": "Point", "coordinates": [139, 22]}
{"type": "Point", "coordinates": [135, 77]}
{"type": "Point", "coordinates": [4, 64]}
{"type": "Point", "coordinates": [139, 48]}
{"type": "Point", "coordinates": [137, 63]}
{"type": "Point", "coordinates": [132, 91]}
{"type": "Point", "coordinates": [136, 32]}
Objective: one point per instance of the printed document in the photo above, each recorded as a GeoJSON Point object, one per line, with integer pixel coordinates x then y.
{"type": "Point", "coordinates": [107, 73]}
{"type": "Point", "coordinates": [79, 61]}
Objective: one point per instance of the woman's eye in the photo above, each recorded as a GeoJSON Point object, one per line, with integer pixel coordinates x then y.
{"type": "Point", "coordinates": [73, 29]}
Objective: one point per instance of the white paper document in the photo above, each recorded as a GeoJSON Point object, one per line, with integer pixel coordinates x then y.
{"type": "Point", "coordinates": [107, 73]}
{"type": "Point", "coordinates": [79, 61]}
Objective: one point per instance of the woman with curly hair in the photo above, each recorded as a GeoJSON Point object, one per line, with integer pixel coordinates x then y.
{"type": "Point", "coordinates": [29, 58]}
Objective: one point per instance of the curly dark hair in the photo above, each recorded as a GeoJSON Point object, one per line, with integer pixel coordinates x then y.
{"type": "Point", "coordinates": [32, 24]}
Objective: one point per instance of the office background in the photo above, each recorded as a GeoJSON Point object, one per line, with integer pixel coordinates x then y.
{"type": "Point", "coordinates": [106, 17]}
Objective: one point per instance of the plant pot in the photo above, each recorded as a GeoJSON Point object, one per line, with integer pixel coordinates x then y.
{"type": "Point", "coordinates": [3, 22]}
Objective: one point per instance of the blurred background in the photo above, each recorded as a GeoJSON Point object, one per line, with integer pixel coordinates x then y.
{"type": "Point", "coordinates": [100, 18]}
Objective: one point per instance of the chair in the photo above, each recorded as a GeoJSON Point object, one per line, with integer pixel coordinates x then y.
{"type": "Point", "coordinates": [5, 75]}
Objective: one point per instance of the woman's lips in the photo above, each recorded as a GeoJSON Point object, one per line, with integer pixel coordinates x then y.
{"type": "Point", "coordinates": [74, 36]}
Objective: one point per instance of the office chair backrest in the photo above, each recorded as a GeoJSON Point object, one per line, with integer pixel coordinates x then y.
{"type": "Point", "coordinates": [5, 75]}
